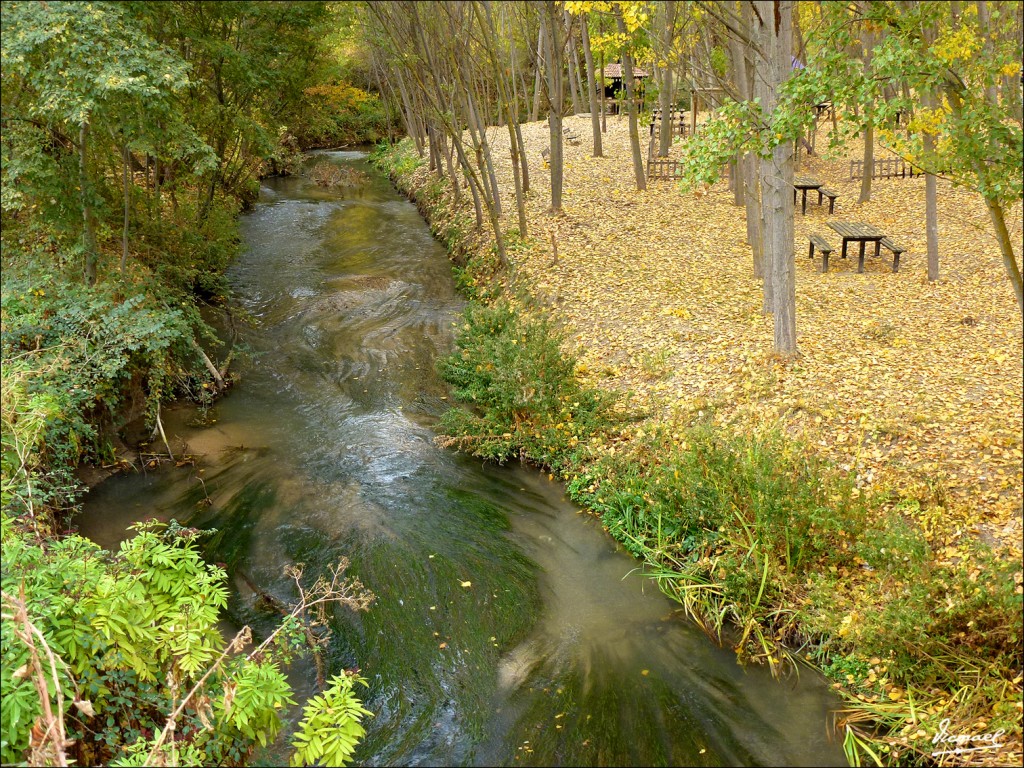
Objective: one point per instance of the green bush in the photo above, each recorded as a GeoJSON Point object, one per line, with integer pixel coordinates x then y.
{"type": "Point", "coordinates": [520, 390]}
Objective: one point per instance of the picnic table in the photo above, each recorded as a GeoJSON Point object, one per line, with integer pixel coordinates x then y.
{"type": "Point", "coordinates": [802, 184]}
{"type": "Point", "coordinates": [859, 232]}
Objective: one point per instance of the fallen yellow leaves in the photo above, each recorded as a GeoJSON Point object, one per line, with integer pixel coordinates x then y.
{"type": "Point", "coordinates": [914, 387]}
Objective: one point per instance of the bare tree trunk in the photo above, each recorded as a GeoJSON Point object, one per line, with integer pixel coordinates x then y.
{"type": "Point", "coordinates": [127, 199]}
{"type": "Point", "coordinates": [574, 50]}
{"type": "Point", "coordinates": [553, 72]}
{"type": "Point", "coordinates": [490, 37]}
{"type": "Point", "coordinates": [765, 224]}
{"type": "Point", "coordinates": [743, 73]}
{"type": "Point", "coordinates": [634, 133]}
{"type": "Point", "coordinates": [452, 175]}
{"type": "Point", "coordinates": [535, 114]}
{"type": "Point", "coordinates": [931, 216]}
{"type": "Point", "coordinates": [411, 124]}
{"type": "Point", "coordinates": [667, 33]}
{"type": "Point", "coordinates": [1010, 260]}
{"type": "Point", "coordinates": [595, 117]}
{"type": "Point", "coordinates": [984, 25]}
{"type": "Point", "coordinates": [522, 159]}
{"type": "Point", "coordinates": [88, 225]}
{"type": "Point", "coordinates": [776, 35]}
{"type": "Point", "coordinates": [524, 165]}
{"type": "Point", "coordinates": [869, 125]}
{"type": "Point", "coordinates": [573, 93]}
{"type": "Point", "coordinates": [752, 200]}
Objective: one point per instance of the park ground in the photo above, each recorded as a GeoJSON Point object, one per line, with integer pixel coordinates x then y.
{"type": "Point", "coordinates": [914, 386]}
{"type": "Point", "coordinates": [910, 388]}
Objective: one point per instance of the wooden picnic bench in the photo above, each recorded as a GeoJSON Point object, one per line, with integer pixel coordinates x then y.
{"type": "Point", "coordinates": [886, 242]}
{"type": "Point", "coordinates": [819, 242]}
{"type": "Point", "coordinates": [859, 232]}
{"type": "Point", "coordinates": [831, 195]}
{"type": "Point", "coordinates": [805, 184]}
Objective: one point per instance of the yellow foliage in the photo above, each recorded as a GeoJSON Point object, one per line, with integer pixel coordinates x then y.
{"type": "Point", "coordinates": [954, 44]}
{"type": "Point", "coordinates": [340, 96]}
{"type": "Point", "coordinates": [929, 120]}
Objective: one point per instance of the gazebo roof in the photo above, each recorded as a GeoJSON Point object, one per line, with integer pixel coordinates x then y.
{"type": "Point", "coordinates": [615, 71]}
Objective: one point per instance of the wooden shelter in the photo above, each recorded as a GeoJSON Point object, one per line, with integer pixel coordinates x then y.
{"type": "Point", "coordinates": [613, 73]}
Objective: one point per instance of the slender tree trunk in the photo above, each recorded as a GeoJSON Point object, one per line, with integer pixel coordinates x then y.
{"type": "Point", "coordinates": [88, 225]}
{"type": "Point", "coordinates": [553, 72]}
{"type": "Point", "coordinates": [869, 125]}
{"type": "Point", "coordinates": [765, 224]}
{"type": "Point", "coordinates": [776, 35]}
{"type": "Point", "coordinates": [931, 215]}
{"type": "Point", "coordinates": [452, 175]}
{"type": "Point", "coordinates": [127, 201]}
{"type": "Point", "coordinates": [535, 114]}
{"type": "Point", "coordinates": [667, 32]}
{"type": "Point", "coordinates": [506, 100]}
{"type": "Point", "coordinates": [595, 117]}
{"type": "Point", "coordinates": [573, 93]}
{"type": "Point", "coordinates": [471, 183]}
{"type": "Point", "coordinates": [1010, 261]}
{"type": "Point", "coordinates": [575, 60]}
{"type": "Point", "coordinates": [752, 200]}
{"type": "Point", "coordinates": [634, 133]}
{"type": "Point", "coordinates": [984, 25]}
{"type": "Point", "coordinates": [522, 159]}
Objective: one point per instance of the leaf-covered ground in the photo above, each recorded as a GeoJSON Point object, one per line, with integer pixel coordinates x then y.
{"type": "Point", "coordinates": [914, 386]}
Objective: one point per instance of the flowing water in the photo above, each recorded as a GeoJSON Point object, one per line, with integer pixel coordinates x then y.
{"type": "Point", "coordinates": [508, 628]}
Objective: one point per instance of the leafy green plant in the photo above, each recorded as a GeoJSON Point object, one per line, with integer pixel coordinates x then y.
{"type": "Point", "coordinates": [126, 635]}
{"type": "Point", "coordinates": [331, 725]}
{"type": "Point", "coordinates": [522, 397]}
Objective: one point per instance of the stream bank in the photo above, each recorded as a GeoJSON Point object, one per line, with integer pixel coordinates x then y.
{"type": "Point", "coordinates": [509, 629]}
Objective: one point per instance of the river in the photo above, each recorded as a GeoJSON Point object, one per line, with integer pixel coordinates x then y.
{"type": "Point", "coordinates": [509, 629]}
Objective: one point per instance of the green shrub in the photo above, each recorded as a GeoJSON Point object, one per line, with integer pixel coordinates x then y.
{"type": "Point", "coordinates": [520, 390]}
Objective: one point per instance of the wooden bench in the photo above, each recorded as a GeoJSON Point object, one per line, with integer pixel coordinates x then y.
{"type": "Point", "coordinates": [571, 136]}
{"type": "Point", "coordinates": [896, 251]}
{"type": "Point", "coordinates": [545, 154]}
{"type": "Point", "coordinates": [819, 242]}
{"type": "Point", "coordinates": [831, 194]}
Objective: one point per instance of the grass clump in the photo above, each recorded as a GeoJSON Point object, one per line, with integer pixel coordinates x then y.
{"type": "Point", "coordinates": [728, 526]}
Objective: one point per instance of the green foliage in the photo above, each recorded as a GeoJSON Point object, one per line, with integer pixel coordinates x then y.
{"type": "Point", "coordinates": [132, 632]}
{"type": "Point", "coordinates": [341, 114]}
{"type": "Point", "coordinates": [978, 143]}
{"type": "Point", "coordinates": [510, 368]}
{"type": "Point", "coordinates": [398, 161]}
{"type": "Point", "coordinates": [122, 624]}
{"type": "Point", "coordinates": [330, 727]}
{"type": "Point", "coordinates": [748, 514]}
{"type": "Point", "coordinates": [72, 351]}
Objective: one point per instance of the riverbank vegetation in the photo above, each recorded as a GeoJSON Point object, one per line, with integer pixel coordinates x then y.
{"type": "Point", "coordinates": [833, 501]}
{"type": "Point", "coordinates": [132, 136]}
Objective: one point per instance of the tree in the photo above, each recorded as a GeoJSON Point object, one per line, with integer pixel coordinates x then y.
{"type": "Point", "coordinates": [595, 115]}
{"type": "Point", "coordinates": [86, 71]}
{"type": "Point", "coordinates": [631, 98]}
{"type": "Point", "coordinates": [554, 79]}
{"type": "Point", "coordinates": [774, 28]}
